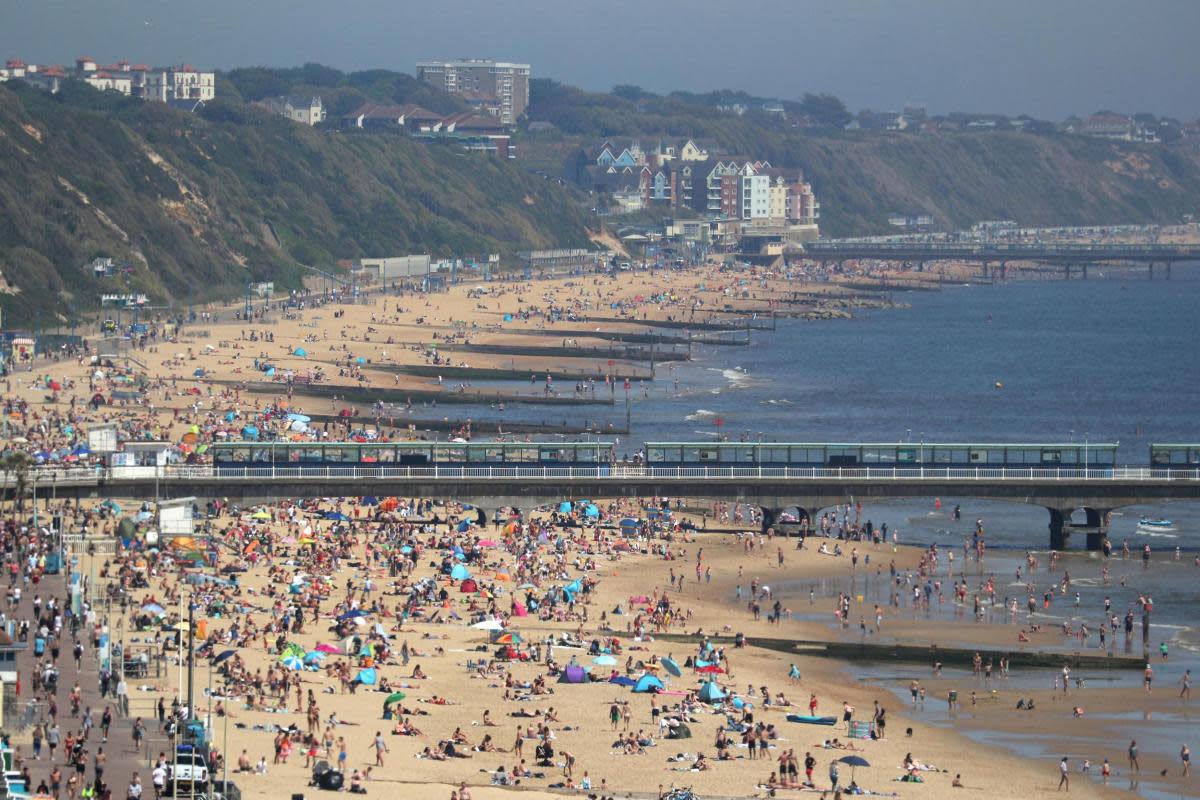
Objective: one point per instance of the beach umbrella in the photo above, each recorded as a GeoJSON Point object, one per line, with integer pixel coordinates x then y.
{"type": "Point", "coordinates": [292, 649]}
{"type": "Point", "coordinates": [294, 417]}
{"type": "Point", "coordinates": [354, 614]}
{"type": "Point", "coordinates": [671, 667]}
{"type": "Point", "coordinates": [460, 573]}
{"type": "Point", "coordinates": [292, 662]}
{"type": "Point", "coordinates": [370, 500]}
{"type": "Point", "coordinates": [154, 608]}
{"type": "Point", "coordinates": [854, 762]}
{"type": "Point", "coordinates": [198, 372]}
{"type": "Point", "coordinates": [489, 625]}
{"type": "Point", "coordinates": [314, 657]}
{"type": "Point", "coordinates": [394, 697]}
{"type": "Point", "coordinates": [367, 677]}
{"type": "Point", "coordinates": [511, 637]}
{"type": "Point", "coordinates": [591, 511]}
{"type": "Point", "coordinates": [604, 661]}
{"type": "Point", "coordinates": [261, 515]}
{"type": "Point", "coordinates": [629, 522]}
{"type": "Point", "coordinates": [335, 515]}
{"type": "Point", "coordinates": [227, 654]}
{"type": "Point", "coordinates": [324, 647]}
{"type": "Point", "coordinates": [710, 669]}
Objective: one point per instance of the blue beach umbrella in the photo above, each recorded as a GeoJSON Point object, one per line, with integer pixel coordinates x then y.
{"type": "Point", "coordinates": [224, 656]}
{"type": "Point", "coordinates": [293, 663]}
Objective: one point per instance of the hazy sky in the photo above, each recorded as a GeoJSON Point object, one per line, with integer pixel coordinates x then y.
{"type": "Point", "coordinates": [1049, 58]}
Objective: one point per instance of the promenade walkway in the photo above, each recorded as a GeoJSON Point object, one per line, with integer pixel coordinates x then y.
{"type": "Point", "coordinates": [114, 761]}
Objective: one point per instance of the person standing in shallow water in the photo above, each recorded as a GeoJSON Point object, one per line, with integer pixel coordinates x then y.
{"type": "Point", "coordinates": [1064, 775]}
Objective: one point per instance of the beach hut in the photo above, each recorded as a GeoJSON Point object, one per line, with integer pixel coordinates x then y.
{"type": "Point", "coordinates": [711, 693]}
{"type": "Point", "coordinates": [648, 683]}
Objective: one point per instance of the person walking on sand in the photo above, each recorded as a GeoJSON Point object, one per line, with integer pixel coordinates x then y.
{"type": "Point", "coordinates": [1186, 685]}
{"type": "Point", "coordinates": [1185, 755]}
{"type": "Point", "coordinates": [380, 748]}
{"type": "Point", "coordinates": [1064, 775]}
{"type": "Point", "coordinates": [1133, 757]}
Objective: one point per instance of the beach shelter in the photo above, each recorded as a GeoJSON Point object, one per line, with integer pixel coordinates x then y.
{"type": "Point", "coordinates": [574, 674]}
{"type": "Point", "coordinates": [468, 586]}
{"type": "Point", "coordinates": [367, 677]}
{"type": "Point", "coordinates": [314, 657]}
{"type": "Point", "coordinates": [679, 731]}
{"type": "Point", "coordinates": [250, 432]}
{"type": "Point", "coordinates": [519, 610]}
{"type": "Point", "coordinates": [370, 500]}
{"type": "Point", "coordinates": [336, 516]}
{"type": "Point", "coordinates": [352, 614]}
{"type": "Point", "coordinates": [629, 522]}
{"type": "Point", "coordinates": [564, 507]}
{"type": "Point", "coordinates": [710, 669]}
{"type": "Point", "coordinates": [508, 317]}
{"type": "Point", "coordinates": [300, 351]}
{"type": "Point", "coordinates": [460, 573]}
{"type": "Point", "coordinates": [621, 680]}
{"type": "Point", "coordinates": [604, 661]}
{"type": "Point", "coordinates": [198, 372]}
{"type": "Point", "coordinates": [154, 608]}
{"type": "Point", "coordinates": [648, 683]}
{"type": "Point", "coordinates": [671, 667]}
{"type": "Point", "coordinates": [591, 511]}
{"type": "Point", "coordinates": [711, 693]}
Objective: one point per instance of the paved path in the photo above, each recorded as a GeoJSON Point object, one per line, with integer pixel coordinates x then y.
{"type": "Point", "coordinates": [122, 761]}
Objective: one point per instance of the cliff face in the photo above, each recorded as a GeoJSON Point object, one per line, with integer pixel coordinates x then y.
{"type": "Point", "coordinates": [200, 204]}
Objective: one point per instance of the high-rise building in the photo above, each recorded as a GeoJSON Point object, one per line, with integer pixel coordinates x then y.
{"type": "Point", "coordinates": [497, 88]}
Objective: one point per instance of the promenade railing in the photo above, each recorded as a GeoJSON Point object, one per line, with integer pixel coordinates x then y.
{"type": "Point", "coordinates": [44, 479]}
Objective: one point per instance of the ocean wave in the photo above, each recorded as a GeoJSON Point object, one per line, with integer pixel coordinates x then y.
{"type": "Point", "coordinates": [699, 414]}
{"type": "Point", "coordinates": [739, 378]}
{"type": "Point", "coordinates": [775, 402]}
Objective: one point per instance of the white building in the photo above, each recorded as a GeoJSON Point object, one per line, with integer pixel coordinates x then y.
{"type": "Point", "coordinates": [755, 192]}
{"type": "Point", "coordinates": [305, 110]}
{"type": "Point", "coordinates": [162, 84]}
{"type": "Point", "coordinates": [180, 83]}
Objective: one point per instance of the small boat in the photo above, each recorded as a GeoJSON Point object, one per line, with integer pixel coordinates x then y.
{"type": "Point", "coordinates": [805, 718]}
{"type": "Point", "coordinates": [1155, 522]}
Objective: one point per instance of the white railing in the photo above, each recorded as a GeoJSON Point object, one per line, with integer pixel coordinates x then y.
{"type": "Point", "coordinates": [45, 478]}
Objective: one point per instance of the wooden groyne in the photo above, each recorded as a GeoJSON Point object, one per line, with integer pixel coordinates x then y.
{"type": "Point", "coordinates": [931, 653]}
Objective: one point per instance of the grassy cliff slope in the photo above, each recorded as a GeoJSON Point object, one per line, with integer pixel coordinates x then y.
{"type": "Point", "coordinates": [200, 204]}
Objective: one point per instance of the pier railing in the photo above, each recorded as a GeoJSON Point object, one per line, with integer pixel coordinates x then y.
{"type": "Point", "coordinates": [46, 478]}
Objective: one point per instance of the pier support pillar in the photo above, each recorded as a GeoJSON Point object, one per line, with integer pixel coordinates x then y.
{"type": "Point", "coordinates": [984, 269]}
{"type": "Point", "coordinates": [1151, 270]}
{"type": "Point", "coordinates": [1003, 270]}
{"type": "Point", "coordinates": [1060, 527]}
{"type": "Point", "coordinates": [1085, 270]}
{"type": "Point", "coordinates": [1097, 523]}
{"type": "Point", "coordinates": [769, 515]}
{"type": "Point", "coordinates": [1067, 271]}
{"type": "Point", "coordinates": [1168, 270]}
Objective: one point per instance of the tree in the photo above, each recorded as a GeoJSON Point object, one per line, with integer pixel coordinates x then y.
{"type": "Point", "coordinates": [825, 110]}
{"type": "Point", "coordinates": [627, 91]}
{"type": "Point", "coordinates": [15, 467]}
